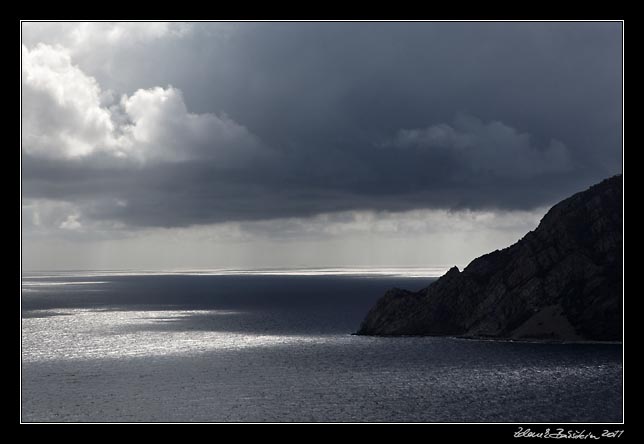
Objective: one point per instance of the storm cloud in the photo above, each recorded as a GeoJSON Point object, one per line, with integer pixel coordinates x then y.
{"type": "Point", "coordinates": [180, 124]}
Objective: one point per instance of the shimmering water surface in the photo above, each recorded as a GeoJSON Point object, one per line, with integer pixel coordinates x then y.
{"type": "Point", "coordinates": [272, 347]}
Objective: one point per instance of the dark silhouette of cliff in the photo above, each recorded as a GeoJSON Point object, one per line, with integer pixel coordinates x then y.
{"type": "Point", "coordinates": [562, 281]}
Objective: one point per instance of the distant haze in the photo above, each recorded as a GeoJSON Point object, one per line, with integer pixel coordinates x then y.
{"type": "Point", "coordinates": [278, 144]}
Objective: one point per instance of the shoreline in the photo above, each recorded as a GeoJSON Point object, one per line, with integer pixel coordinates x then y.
{"type": "Point", "coordinates": [488, 339]}
{"type": "Point", "coordinates": [537, 341]}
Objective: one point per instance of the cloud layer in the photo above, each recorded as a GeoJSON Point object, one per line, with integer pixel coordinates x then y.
{"type": "Point", "coordinates": [173, 125]}
{"type": "Point", "coordinates": [491, 148]}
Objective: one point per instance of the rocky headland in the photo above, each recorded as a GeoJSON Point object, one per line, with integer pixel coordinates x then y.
{"type": "Point", "coordinates": [561, 282]}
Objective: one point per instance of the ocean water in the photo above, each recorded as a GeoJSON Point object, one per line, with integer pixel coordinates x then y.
{"type": "Point", "coordinates": [257, 347]}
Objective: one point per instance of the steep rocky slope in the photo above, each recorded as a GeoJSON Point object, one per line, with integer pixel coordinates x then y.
{"type": "Point", "coordinates": [562, 281]}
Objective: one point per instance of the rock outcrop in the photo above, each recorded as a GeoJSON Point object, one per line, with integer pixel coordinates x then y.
{"type": "Point", "coordinates": [562, 281]}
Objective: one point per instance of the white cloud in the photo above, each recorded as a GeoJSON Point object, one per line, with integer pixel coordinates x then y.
{"type": "Point", "coordinates": [82, 38]}
{"type": "Point", "coordinates": [492, 147]}
{"type": "Point", "coordinates": [43, 218]}
{"type": "Point", "coordinates": [42, 215]}
{"type": "Point", "coordinates": [71, 223]}
{"type": "Point", "coordinates": [131, 33]}
{"type": "Point", "coordinates": [66, 115]}
{"type": "Point", "coordinates": [162, 127]}
{"type": "Point", "coordinates": [61, 115]}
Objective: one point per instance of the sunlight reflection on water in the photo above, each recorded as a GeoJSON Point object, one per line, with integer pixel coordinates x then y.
{"type": "Point", "coordinates": [90, 334]}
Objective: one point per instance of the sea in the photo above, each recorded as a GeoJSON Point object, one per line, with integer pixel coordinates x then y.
{"type": "Point", "coordinates": [277, 346]}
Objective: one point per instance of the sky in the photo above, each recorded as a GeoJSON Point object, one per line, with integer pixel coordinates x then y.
{"type": "Point", "coordinates": [153, 145]}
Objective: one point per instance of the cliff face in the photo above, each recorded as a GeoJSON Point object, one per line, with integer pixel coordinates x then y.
{"type": "Point", "coordinates": [562, 281]}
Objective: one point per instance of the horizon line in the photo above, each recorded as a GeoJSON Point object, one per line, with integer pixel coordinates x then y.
{"type": "Point", "coordinates": [402, 271]}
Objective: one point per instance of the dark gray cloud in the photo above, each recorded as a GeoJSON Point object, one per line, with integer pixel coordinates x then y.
{"type": "Point", "coordinates": [267, 120]}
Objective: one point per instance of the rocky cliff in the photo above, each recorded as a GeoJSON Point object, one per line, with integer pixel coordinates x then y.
{"type": "Point", "coordinates": [562, 281]}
